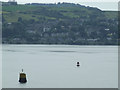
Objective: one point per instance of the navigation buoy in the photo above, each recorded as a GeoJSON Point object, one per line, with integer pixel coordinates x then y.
{"type": "Point", "coordinates": [78, 64]}
{"type": "Point", "coordinates": [22, 77]}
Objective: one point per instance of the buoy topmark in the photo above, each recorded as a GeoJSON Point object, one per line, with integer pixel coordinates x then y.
{"type": "Point", "coordinates": [22, 77]}
{"type": "Point", "coordinates": [78, 64]}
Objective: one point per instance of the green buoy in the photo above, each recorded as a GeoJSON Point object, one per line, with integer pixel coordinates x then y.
{"type": "Point", "coordinates": [22, 77]}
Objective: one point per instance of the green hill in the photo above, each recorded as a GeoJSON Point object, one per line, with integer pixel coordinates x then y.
{"type": "Point", "coordinates": [12, 13]}
{"type": "Point", "coordinates": [54, 23]}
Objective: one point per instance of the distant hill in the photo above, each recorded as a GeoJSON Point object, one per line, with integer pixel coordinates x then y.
{"type": "Point", "coordinates": [62, 23]}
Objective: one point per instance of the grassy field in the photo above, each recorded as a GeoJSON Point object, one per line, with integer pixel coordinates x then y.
{"type": "Point", "coordinates": [27, 12]}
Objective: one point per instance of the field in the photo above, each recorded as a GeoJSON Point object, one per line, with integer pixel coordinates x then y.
{"type": "Point", "coordinates": [27, 12]}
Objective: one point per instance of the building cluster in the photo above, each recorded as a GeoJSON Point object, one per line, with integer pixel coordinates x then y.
{"type": "Point", "coordinates": [10, 2]}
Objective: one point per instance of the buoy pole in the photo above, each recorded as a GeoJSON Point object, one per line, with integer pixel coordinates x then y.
{"type": "Point", "coordinates": [22, 77]}
{"type": "Point", "coordinates": [22, 70]}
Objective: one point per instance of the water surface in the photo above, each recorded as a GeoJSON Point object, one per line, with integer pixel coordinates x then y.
{"type": "Point", "coordinates": [54, 66]}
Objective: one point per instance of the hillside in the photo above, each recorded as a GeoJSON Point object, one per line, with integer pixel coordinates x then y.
{"type": "Point", "coordinates": [59, 24]}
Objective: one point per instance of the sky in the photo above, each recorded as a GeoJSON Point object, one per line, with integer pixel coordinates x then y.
{"type": "Point", "coordinates": [101, 4]}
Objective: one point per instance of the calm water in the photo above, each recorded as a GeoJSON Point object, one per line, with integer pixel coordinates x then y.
{"type": "Point", "coordinates": [54, 66]}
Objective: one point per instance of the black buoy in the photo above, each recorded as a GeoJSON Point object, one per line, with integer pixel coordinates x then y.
{"type": "Point", "coordinates": [78, 64]}
{"type": "Point", "coordinates": [22, 77]}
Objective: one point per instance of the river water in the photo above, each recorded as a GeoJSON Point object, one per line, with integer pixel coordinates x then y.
{"type": "Point", "coordinates": [54, 66]}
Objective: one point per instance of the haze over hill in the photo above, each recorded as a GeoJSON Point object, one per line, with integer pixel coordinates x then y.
{"type": "Point", "coordinates": [62, 23]}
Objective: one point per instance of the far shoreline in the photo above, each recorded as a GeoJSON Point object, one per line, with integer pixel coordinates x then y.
{"type": "Point", "coordinates": [62, 44]}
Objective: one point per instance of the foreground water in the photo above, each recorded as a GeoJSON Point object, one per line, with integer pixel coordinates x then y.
{"type": "Point", "coordinates": [54, 66]}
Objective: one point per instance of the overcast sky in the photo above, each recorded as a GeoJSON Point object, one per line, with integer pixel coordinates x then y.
{"type": "Point", "coordinates": [101, 4]}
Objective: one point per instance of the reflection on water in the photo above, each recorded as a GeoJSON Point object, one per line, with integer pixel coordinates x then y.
{"type": "Point", "coordinates": [61, 51]}
{"type": "Point", "coordinates": [54, 66]}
